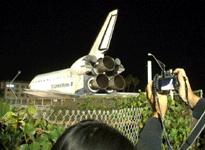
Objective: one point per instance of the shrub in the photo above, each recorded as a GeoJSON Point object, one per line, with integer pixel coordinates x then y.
{"type": "Point", "coordinates": [21, 128]}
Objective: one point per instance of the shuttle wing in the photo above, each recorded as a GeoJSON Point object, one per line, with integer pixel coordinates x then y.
{"type": "Point", "coordinates": [49, 93]}
{"type": "Point", "coordinates": [103, 39]}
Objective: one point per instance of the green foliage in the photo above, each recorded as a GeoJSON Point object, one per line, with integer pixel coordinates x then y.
{"type": "Point", "coordinates": [177, 122]}
{"type": "Point", "coordinates": [20, 129]}
{"type": "Point", "coordinates": [4, 108]}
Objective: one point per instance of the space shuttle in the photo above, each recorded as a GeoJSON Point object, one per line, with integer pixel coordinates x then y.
{"type": "Point", "coordinates": [93, 74]}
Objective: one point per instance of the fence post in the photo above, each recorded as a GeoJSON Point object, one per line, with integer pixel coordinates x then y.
{"type": "Point", "coordinates": [201, 93]}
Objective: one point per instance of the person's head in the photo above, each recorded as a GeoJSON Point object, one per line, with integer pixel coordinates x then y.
{"type": "Point", "coordinates": [92, 135]}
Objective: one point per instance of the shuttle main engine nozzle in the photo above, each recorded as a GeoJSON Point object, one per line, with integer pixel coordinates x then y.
{"type": "Point", "coordinates": [106, 64]}
{"type": "Point", "coordinates": [100, 81]}
{"type": "Point", "coordinates": [116, 82]}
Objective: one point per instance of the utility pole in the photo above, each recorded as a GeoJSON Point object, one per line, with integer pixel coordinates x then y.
{"type": "Point", "coordinates": [19, 72]}
{"type": "Point", "coordinates": [149, 71]}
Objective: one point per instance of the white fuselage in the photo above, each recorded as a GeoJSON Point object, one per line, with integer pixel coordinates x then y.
{"type": "Point", "coordinates": [61, 80]}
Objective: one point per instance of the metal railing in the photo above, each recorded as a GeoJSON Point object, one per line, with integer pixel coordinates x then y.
{"type": "Point", "coordinates": [35, 102]}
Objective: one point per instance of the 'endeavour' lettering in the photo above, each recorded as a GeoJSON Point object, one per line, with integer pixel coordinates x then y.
{"type": "Point", "coordinates": [60, 85]}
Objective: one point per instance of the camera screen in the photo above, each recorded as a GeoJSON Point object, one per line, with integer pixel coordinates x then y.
{"type": "Point", "coordinates": [167, 84]}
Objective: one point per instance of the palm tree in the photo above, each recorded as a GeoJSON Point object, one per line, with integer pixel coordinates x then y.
{"type": "Point", "coordinates": [135, 82]}
{"type": "Point", "coordinates": [1, 93]}
{"type": "Point", "coordinates": [128, 81]}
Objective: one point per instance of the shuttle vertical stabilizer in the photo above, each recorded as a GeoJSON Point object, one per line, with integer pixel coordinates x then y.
{"type": "Point", "coordinates": [103, 39]}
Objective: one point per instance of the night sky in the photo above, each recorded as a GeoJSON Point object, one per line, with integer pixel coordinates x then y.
{"type": "Point", "coordinates": [44, 36]}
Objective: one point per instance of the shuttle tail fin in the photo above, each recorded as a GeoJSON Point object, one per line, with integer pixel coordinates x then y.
{"type": "Point", "coordinates": [103, 39]}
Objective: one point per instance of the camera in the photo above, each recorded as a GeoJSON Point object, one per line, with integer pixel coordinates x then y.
{"type": "Point", "coordinates": [166, 82]}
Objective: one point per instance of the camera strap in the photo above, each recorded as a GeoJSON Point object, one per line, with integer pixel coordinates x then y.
{"type": "Point", "coordinates": [160, 114]}
{"type": "Point", "coordinates": [162, 123]}
{"type": "Point", "coordinates": [198, 128]}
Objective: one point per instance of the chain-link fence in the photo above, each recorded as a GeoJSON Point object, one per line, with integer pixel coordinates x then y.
{"type": "Point", "coordinates": [67, 113]}
{"type": "Point", "coordinates": [124, 120]}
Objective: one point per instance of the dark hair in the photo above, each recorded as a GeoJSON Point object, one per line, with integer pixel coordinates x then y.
{"type": "Point", "coordinates": [92, 135]}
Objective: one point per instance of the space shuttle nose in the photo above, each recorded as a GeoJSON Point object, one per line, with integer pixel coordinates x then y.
{"type": "Point", "coordinates": [117, 82]}
{"type": "Point", "coordinates": [100, 81]}
{"type": "Point", "coordinates": [106, 64]}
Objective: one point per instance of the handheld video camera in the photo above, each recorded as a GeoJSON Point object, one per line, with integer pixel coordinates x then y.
{"type": "Point", "coordinates": [166, 82]}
